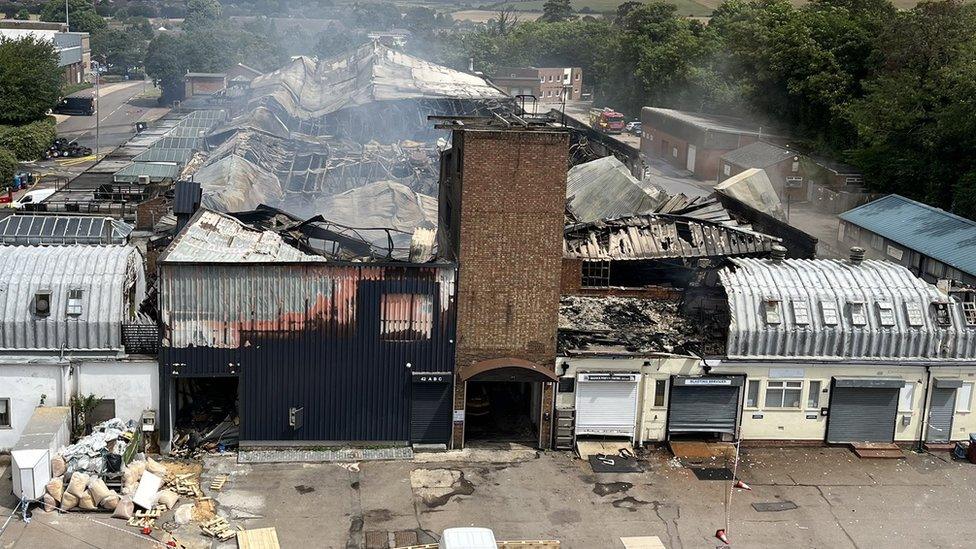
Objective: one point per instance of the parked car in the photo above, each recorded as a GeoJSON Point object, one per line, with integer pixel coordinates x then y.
{"type": "Point", "coordinates": [83, 106]}
{"type": "Point", "coordinates": [633, 128]}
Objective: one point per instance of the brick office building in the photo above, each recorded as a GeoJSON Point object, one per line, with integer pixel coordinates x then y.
{"type": "Point", "coordinates": [502, 202]}
{"type": "Point", "coordinates": [547, 84]}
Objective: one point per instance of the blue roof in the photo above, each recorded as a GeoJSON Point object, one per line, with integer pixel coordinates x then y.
{"type": "Point", "coordinates": [930, 231]}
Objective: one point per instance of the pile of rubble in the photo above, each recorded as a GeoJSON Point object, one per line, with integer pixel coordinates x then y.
{"type": "Point", "coordinates": [631, 325]}
{"type": "Point", "coordinates": [217, 437]}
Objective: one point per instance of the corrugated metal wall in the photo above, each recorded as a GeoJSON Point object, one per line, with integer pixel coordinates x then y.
{"type": "Point", "coordinates": [307, 336]}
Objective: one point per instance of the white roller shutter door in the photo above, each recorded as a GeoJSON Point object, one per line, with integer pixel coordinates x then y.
{"type": "Point", "coordinates": [606, 404]}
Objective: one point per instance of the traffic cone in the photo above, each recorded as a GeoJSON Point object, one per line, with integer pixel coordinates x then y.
{"type": "Point", "coordinates": [720, 534]}
{"type": "Point", "coordinates": [742, 486]}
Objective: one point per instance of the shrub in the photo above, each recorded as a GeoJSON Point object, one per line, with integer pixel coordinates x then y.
{"type": "Point", "coordinates": [29, 141]}
{"type": "Point", "coordinates": [8, 167]}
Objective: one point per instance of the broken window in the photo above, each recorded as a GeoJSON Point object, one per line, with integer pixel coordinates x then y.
{"type": "Point", "coordinates": [406, 317]}
{"type": "Point", "coordinates": [4, 412]}
{"type": "Point", "coordinates": [969, 311]}
{"type": "Point", "coordinates": [886, 313]}
{"type": "Point", "coordinates": [829, 311]}
{"type": "Point", "coordinates": [783, 394]}
{"type": "Point", "coordinates": [596, 274]}
{"type": "Point", "coordinates": [942, 314]}
{"type": "Point", "coordinates": [801, 312]}
{"type": "Point", "coordinates": [771, 308]}
{"type": "Point", "coordinates": [74, 303]}
{"type": "Point", "coordinates": [914, 313]}
{"type": "Point", "coordinates": [858, 317]}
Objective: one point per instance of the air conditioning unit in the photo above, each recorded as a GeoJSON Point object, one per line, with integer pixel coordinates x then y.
{"type": "Point", "coordinates": [42, 303]}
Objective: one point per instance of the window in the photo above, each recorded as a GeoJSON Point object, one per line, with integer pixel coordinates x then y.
{"type": "Point", "coordinates": [853, 180]}
{"type": "Point", "coordinates": [858, 318]}
{"type": "Point", "coordinates": [4, 413]}
{"type": "Point", "coordinates": [577, 76]}
{"type": "Point", "coordinates": [566, 385]}
{"type": "Point", "coordinates": [74, 303]}
{"type": "Point", "coordinates": [877, 242]}
{"type": "Point", "coordinates": [542, 80]}
{"type": "Point", "coordinates": [795, 166]}
{"type": "Point", "coordinates": [674, 152]}
{"type": "Point", "coordinates": [942, 316]}
{"type": "Point", "coordinates": [406, 317]}
{"type": "Point", "coordinates": [726, 169]}
{"type": "Point", "coordinates": [752, 394]}
{"type": "Point", "coordinates": [813, 395]}
{"type": "Point", "coordinates": [596, 274]}
{"type": "Point", "coordinates": [969, 311]}
{"type": "Point", "coordinates": [771, 308]}
{"type": "Point", "coordinates": [783, 394]}
{"type": "Point", "coordinates": [886, 313]}
{"type": "Point", "coordinates": [906, 397]}
{"type": "Point", "coordinates": [914, 312]}
{"type": "Point", "coordinates": [42, 303]}
{"type": "Point", "coordinates": [934, 268]}
{"type": "Point", "coordinates": [964, 397]}
{"type": "Point", "coordinates": [550, 78]}
{"type": "Point", "coordinates": [829, 311]}
{"type": "Point", "coordinates": [801, 312]}
{"type": "Point", "coordinates": [660, 391]}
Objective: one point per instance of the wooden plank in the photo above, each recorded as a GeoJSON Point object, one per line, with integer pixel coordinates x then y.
{"type": "Point", "coordinates": [259, 538]}
{"type": "Point", "coordinates": [643, 542]}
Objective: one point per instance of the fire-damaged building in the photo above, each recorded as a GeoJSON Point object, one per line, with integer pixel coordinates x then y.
{"type": "Point", "coordinates": [295, 347]}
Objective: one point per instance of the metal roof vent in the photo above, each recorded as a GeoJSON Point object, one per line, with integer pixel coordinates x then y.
{"type": "Point", "coordinates": [857, 255]}
{"type": "Point", "coordinates": [777, 253]}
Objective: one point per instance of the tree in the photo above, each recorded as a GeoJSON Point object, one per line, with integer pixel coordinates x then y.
{"type": "Point", "coordinates": [201, 14]}
{"type": "Point", "coordinates": [121, 48]}
{"type": "Point", "coordinates": [22, 14]}
{"type": "Point", "coordinates": [554, 11]}
{"type": "Point", "coordinates": [30, 79]}
{"type": "Point", "coordinates": [8, 167]}
{"type": "Point", "coordinates": [336, 41]}
{"type": "Point", "coordinates": [82, 15]}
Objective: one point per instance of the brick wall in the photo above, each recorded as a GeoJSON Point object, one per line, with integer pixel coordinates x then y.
{"type": "Point", "coordinates": [512, 189]}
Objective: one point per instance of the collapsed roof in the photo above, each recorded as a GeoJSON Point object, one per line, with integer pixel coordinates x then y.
{"type": "Point", "coordinates": [754, 189]}
{"type": "Point", "coordinates": [604, 188]}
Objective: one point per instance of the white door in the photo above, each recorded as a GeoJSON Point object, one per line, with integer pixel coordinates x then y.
{"type": "Point", "coordinates": [692, 151]}
{"type": "Point", "coordinates": [606, 404]}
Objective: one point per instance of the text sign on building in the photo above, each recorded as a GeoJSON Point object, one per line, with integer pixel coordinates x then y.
{"type": "Point", "coordinates": [608, 377]}
{"type": "Point", "coordinates": [431, 378]}
{"type": "Point", "coordinates": [894, 252]}
{"type": "Point", "coordinates": [706, 381]}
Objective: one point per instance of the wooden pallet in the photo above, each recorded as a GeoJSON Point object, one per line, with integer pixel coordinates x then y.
{"type": "Point", "coordinates": [218, 528]}
{"type": "Point", "coordinates": [218, 482]}
{"type": "Point", "coordinates": [259, 538]}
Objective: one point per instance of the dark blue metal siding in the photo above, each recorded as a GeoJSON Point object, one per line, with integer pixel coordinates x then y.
{"type": "Point", "coordinates": [352, 385]}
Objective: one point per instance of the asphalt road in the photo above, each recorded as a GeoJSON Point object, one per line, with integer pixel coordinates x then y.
{"type": "Point", "coordinates": [117, 116]}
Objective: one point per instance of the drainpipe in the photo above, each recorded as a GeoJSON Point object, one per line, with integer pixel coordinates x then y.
{"type": "Point", "coordinates": [925, 405]}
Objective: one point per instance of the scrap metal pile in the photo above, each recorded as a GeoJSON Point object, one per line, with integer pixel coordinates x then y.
{"type": "Point", "coordinates": [633, 325]}
{"type": "Point", "coordinates": [347, 138]}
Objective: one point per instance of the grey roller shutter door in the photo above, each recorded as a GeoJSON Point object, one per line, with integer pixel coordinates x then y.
{"type": "Point", "coordinates": [703, 409]}
{"type": "Point", "coordinates": [940, 415]}
{"type": "Point", "coordinates": [861, 414]}
{"type": "Point", "coordinates": [606, 407]}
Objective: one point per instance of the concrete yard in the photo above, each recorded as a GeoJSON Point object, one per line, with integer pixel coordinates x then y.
{"type": "Point", "coordinates": [925, 500]}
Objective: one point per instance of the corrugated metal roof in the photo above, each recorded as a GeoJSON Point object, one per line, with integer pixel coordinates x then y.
{"type": "Point", "coordinates": [660, 236]}
{"type": "Point", "coordinates": [930, 231]}
{"type": "Point", "coordinates": [757, 155]}
{"type": "Point", "coordinates": [103, 274]}
{"type": "Point", "coordinates": [62, 229]}
{"type": "Point", "coordinates": [211, 237]}
{"type": "Point", "coordinates": [160, 154]}
{"type": "Point", "coordinates": [710, 122]}
{"type": "Point", "coordinates": [604, 188]}
{"type": "Point", "coordinates": [827, 309]}
{"type": "Point", "coordinates": [157, 171]}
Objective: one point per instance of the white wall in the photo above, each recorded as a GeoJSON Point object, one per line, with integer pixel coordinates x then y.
{"type": "Point", "coordinates": [24, 384]}
{"type": "Point", "coordinates": [964, 420]}
{"type": "Point", "coordinates": [133, 385]}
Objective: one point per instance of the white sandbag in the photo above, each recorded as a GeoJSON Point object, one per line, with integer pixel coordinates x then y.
{"type": "Point", "coordinates": [87, 502]}
{"type": "Point", "coordinates": [124, 509]}
{"type": "Point", "coordinates": [131, 475]}
{"type": "Point", "coordinates": [49, 503]}
{"type": "Point", "coordinates": [155, 467]}
{"type": "Point", "coordinates": [183, 513]}
{"type": "Point", "coordinates": [145, 495]}
{"type": "Point", "coordinates": [68, 501]}
{"type": "Point", "coordinates": [99, 490]}
{"type": "Point", "coordinates": [167, 498]}
{"type": "Point", "coordinates": [78, 485]}
{"type": "Point", "coordinates": [111, 501]}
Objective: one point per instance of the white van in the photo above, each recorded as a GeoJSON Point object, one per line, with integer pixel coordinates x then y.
{"type": "Point", "coordinates": [32, 197]}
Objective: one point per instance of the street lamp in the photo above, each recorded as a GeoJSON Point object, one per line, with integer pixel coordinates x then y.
{"type": "Point", "coordinates": [66, 21]}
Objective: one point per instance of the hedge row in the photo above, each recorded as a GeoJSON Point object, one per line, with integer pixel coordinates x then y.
{"type": "Point", "coordinates": [29, 141]}
{"type": "Point", "coordinates": [8, 167]}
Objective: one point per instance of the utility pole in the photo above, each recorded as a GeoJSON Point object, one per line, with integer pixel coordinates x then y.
{"type": "Point", "coordinates": [67, 22]}
{"type": "Point", "coordinates": [98, 111]}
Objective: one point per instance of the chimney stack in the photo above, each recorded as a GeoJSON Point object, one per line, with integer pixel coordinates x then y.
{"type": "Point", "coordinates": [471, 65]}
{"type": "Point", "coordinates": [777, 253]}
{"type": "Point", "coordinates": [857, 255]}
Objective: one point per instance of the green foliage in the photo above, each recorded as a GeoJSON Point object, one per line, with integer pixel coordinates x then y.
{"type": "Point", "coordinates": [22, 14]}
{"type": "Point", "coordinates": [375, 15]}
{"type": "Point", "coordinates": [30, 79]}
{"type": "Point", "coordinates": [554, 11]}
{"type": "Point", "coordinates": [8, 167]}
{"type": "Point", "coordinates": [28, 141]}
{"type": "Point", "coordinates": [83, 17]}
{"type": "Point", "coordinates": [334, 42]}
{"type": "Point", "coordinates": [201, 14]}
{"type": "Point", "coordinates": [121, 48]}
{"type": "Point", "coordinates": [81, 409]}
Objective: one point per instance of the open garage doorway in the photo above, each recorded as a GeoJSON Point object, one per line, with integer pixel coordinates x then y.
{"type": "Point", "coordinates": [502, 411]}
{"type": "Point", "coordinates": [205, 413]}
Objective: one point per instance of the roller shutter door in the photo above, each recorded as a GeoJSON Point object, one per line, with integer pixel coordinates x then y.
{"type": "Point", "coordinates": [606, 404]}
{"type": "Point", "coordinates": [941, 410]}
{"type": "Point", "coordinates": [703, 409]}
{"type": "Point", "coordinates": [862, 414]}
{"type": "Point", "coordinates": [430, 414]}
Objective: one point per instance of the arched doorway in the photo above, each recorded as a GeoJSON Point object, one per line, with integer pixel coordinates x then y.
{"type": "Point", "coordinates": [507, 400]}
